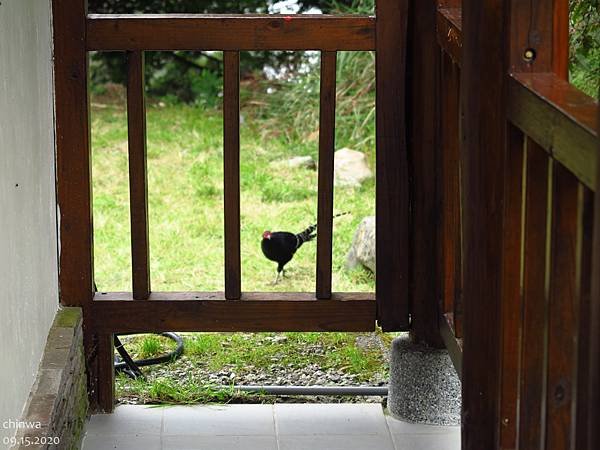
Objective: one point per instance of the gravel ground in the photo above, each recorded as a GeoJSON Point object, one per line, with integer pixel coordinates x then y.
{"type": "Point", "coordinates": [184, 369]}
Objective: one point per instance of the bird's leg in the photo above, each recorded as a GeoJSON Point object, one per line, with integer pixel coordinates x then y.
{"type": "Point", "coordinates": [276, 279]}
{"type": "Point", "coordinates": [283, 273]}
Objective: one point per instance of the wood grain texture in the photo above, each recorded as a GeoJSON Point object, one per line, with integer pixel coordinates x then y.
{"type": "Point", "coordinates": [449, 32]}
{"type": "Point", "coordinates": [422, 143]}
{"type": "Point", "coordinates": [535, 301]}
{"type": "Point", "coordinates": [559, 118]}
{"type": "Point", "coordinates": [138, 175]}
{"type": "Point", "coordinates": [106, 372]}
{"type": "Point", "coordinates": [450, 228]}
{"type": "Point", "coordinates": [562, 314]}
{"type": "Point", "coordinates": [73, 166]}
{"type": "Point", "coordinates": [593, 404]}
{"type": "Point", "coordinates": [453, 344]}
{"type": "Point", "coordinates": [584, 285]}
{"type": "Point", "coordinates": [326, 160]}
{"type": "Point", "coordinates": [231, 171]}
{"type": "Point", "coordinates": [195, 311]}
{"type": "Point", "coordinates": [392, 190]}
{"type": "Point", "coordinates": [482, 174]}
{"type": "Point", "coordinates": [511, 288]}
{"type": "Point", "coordinates": [229, 32]}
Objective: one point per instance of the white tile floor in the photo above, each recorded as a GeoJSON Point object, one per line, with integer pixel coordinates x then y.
{"type": "Point", "coordinates": [263, 427]}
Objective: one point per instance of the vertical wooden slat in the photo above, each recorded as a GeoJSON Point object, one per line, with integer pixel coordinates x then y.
{"type": "Point", "coordinates": [74, 187]}
{"type": "Point", "coordinates": [231, 150]}
{"type": "Point", "coordinates": [511, 289]}
{"type": "Point", "coordinates": [560, 39]}
{"type": "Point", "coordinates": [532, 383]}
{"type": "Point", "coordinates": [451, 235]}
{"type": "Point", "coordinates": [138, 179]}
{"type": "Point", "coordinates": [584, 284]}
{"type": "Point", "coordinates": [562, 317]}
{"type": "Point", "coordinates": [422, 137]}
{"type": "Point", "coordinates": [483, 76]}
{"type": "Point", "coordinates": [326, 157]}
{"type": "Point", "coordinates": [392, 196]}
{"type": "Point", "coordinates": [593, 404]}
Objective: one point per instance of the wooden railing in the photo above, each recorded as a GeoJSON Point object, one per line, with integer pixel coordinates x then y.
{"type": "Point", "coordinates": [516, 245]}
{"type": "Point", "coordinates": [142, 309]}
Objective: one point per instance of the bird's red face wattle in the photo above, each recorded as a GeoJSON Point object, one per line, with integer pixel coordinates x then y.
{"type": "Point", "coordinates": [267, 235]}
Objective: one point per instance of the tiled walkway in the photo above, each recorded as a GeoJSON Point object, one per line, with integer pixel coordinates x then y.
{"type": "Point", "coordinates": [263, 427]}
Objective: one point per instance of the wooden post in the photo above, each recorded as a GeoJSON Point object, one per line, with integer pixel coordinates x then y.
{"type": "Point", "coordinates": [422, 95]}
{"type": "Point", "coordinates": [593, 403]}
{"type": "Point", "coordinates": [392, 196]}
{"type": "Point", "coordinates": [73, 171]}
{"type": "Point", "coordinates": [483, 78]}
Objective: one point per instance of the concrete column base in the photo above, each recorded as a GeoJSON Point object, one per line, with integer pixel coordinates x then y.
{"type": "Point", "coordinates": [424, 387]}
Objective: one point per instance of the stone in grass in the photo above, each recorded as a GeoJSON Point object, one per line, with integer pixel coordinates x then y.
{"type": "Point", "coordinates": [362, 251]}
{"type": "Point", "coordinates": [297, 162]}
{"type": "Point", "coordinates": [350, 168]}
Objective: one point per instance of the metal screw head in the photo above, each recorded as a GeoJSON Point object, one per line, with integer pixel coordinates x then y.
{"type": "Point", "coordinates": [529, 55]}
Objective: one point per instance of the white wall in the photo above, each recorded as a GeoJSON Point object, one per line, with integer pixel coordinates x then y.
{"type": "Point", "coordinates": [28, 249]}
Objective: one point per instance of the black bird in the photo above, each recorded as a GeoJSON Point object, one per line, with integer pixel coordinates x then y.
{"type": "Point", "coordinates": [280, 246]}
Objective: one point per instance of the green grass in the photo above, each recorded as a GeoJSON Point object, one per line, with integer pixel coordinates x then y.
{"type": "Point", "coordinates": [185, 192]}
{"type": "Point", "coordinates": [243, 353]}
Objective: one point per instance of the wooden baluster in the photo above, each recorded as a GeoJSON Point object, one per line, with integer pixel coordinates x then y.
{"type": "Point", "coordinates": [326, 156]}
{"type": "Point", "coordinates": [231, 167]}
{"type": "Point", "coordinates": [511, 288]}
{"type": "Point", "coordinates": [138, 178]}
{"type": "Point", "coordinates": [562, 314]}
{"type": "Point", "coordinates": [535, 302]}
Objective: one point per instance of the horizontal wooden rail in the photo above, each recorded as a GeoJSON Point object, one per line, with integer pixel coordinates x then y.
{"type": "Point", "coordinates": [268, 311]}
{"type": "Point", "coordinates": [558, 117]}
{"type": "Point", "coordinates": [115, 32]}
{"type": "Point", "coordinates": [449, 32]}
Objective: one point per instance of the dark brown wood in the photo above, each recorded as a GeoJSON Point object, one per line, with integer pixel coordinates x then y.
{"type": "Point", "coordinates": [73, 170]}
{"type": "Point", "coordinates": [275, 311]}
{"type": "Point", "coordinates": [231, 170]}
{"type": "Point", "coordinates": [449, 32]}
{"type": "Point", "coordinates": [73, 153]}
{"type": "Point", "coordinates": [541, 27]}
{"type": "Point", "coordinates": [562, 314]}
{"type": "Point", "coordinates": [138, 178]}
{"type": "Point", "coordinates": [584, 284]}
{"type": "Point", "coordinates": [422, 98]}
{"type": "Point", "coordinates": [482, 174]}
{"type": "Point", "coordinates": [511, 288]}
{"type": "Point", "coordinates": [106, 372]}
{"type": "Point", "coordinates": [453, 344]}
{"type": "Point", "coordinates": [229, 32]}
{"type": "Point", "coordinates": [326, 155]}
{"type": "Point", "coordinates": [392, 195]}
{"type": "Point", "coordinates": [593, 404]}
{"type": "Point", "coordinates": [560, 118]}
{"type": "Point", "coordinates": [450, 190]}
{"type": "Point", "coordinates": [535, 302]}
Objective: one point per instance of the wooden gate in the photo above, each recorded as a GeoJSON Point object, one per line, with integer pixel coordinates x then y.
{"type": "Point", "coordinates": [76, 33]}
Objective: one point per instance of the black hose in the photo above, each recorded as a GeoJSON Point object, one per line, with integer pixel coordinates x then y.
{"type": "Point", "coordinates": [131, 367]}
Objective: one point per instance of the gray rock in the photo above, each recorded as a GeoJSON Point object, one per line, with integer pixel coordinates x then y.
{"type": "Point", "coordinates": [362, 251]}
{"type": "Point", "coordinates": [298, 162]}
{"type": "Point", "coordinates": [351, 168]}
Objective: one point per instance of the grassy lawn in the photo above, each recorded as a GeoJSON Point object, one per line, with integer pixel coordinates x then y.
{"type": "Point", "coordinates": [186, 202]}
{"type": "Point", "coordinates": [185, 176]}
